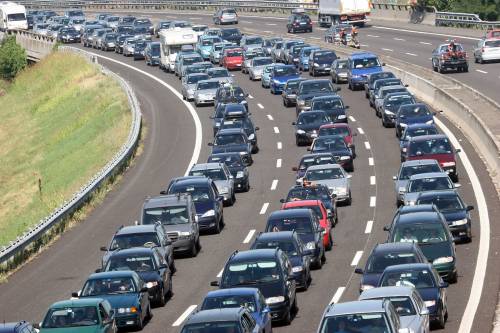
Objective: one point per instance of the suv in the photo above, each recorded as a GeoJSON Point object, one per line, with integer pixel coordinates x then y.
{"type": "Point", "coordinates": [299, 22]}
{"type": "Point", "coordinates": [17, 327]}
{"type": "Point", "coordinates": [221, 176]}
{"type": "Point", "coordinates": [270, 271]}
{"type": "Point", "coordinates": [225, 16]}
{"type": "Point", "coordinates": [177, 214]}
{"type": "Point", "coordinates": [359, 66]}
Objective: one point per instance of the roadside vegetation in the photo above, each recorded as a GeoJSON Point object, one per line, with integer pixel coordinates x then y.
{"type": "Point", "coordinates": [62, 121]}
{"type": "Point", "coordinates": [12, 58]}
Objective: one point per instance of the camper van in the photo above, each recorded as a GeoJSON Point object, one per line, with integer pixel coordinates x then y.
{"type": "Point", "coordinates": [12, 16]}
{"type": "Point", "coordinates": [171, 42]}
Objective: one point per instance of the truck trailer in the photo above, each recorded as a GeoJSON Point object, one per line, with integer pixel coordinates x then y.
{"type": "Point", "coordinates": [332, 12]}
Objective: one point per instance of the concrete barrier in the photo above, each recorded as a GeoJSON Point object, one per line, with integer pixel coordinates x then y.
{"type": "Point", "coordinates": [37, 47]}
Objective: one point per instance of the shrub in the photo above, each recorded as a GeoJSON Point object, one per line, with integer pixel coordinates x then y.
{"type": "Point", "coordinates": [12, 58]}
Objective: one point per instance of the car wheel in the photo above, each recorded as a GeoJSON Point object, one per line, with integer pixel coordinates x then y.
{"type": "Point", "coordinates": [149, 313]}
{"type": "Point", "coordinates": [170, 291]}
{"type": "Point", "coordinates": [330, 241]}
{"type": "Point", "coordinates": [217, 228]}
{"type": "Point", "coordinates": [161, 300]}
{"type": "Point", "coordinates": [233, 200]}
{"type": "Point", "coordinates": [349, 201]}
{"type": "Point", "coordinates": [193, 252]}
{"type": "Point", "coordinates": [247, 186]}
{"type": "Point", "coordinates": [140, 323]}
{"type": "Point", "coordinates": [453, 279]}
{"type": "Point", "coordinates": [441, 320]}
{"type": "Point", "coordinates": [298, 142]}
{"type": "Point", "coordinates": [481, 60]}
{"type": "Point", "coordinates": [465, 69]}
{"type": "Point", "coordinates": [384, 124]}
{"type": "Point", "coordinates": [294, 308]}
{"type": "Point", "coordinates": [287, 320]}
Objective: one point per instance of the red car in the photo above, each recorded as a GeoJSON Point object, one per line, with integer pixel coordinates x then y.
{"type": "Point", "coordinates": [494, 33]}
{"type": "Point", "coordinates": [325, 219]}
{"type": "Point", "coordinates": [232, 59]}
{"type": "Point", "coordinates": [342, 129]}
{"type": "Point", "coordinates": [435, 147]}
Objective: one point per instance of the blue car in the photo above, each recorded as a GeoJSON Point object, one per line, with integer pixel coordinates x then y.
{"type": "Point", "coordinates": [359, 66]}
{"type": "Point", "coordinates": [250, 298]}
{"type": "Point", "coordinates": [417, 113]}
{"type": "Point", "coordinates": [304, 58]}
{"type": "Point", "coordinates": [204, 45]}
{"type": "Point", "coordinates": [280, 75]}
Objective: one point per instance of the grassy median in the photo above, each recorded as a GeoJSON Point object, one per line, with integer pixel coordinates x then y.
{"type": "Point", "coordinates": [60, 122]}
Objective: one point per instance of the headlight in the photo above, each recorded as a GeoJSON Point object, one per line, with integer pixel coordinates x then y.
{"type": "Point", "coordinates": [217, 124]}
{"type": "Point", "coordinates": [242, 153]}
{"type": "Point", "coordinates": [276, 82]}
{"type": "Point", "coordinates": [301, 131]}
{"type": "Point", "coordinates": [388, 112]}
{"type": "Point", "coordinates": [341, 190]}
{"type": "Point", "coordinates": [404, 149]}
{"type": "Point", "coordinates": [301, 102]}
{"type": "Point", "coordinates": [184, 234]}
{"type": "Point", "coordinates": [132, 309]}
{"type": "Point", "coordinates": [402, 189]}
{"type": "Point", "coordinates": [224, 190]}
{"type": "Point", "coordinates": [342, 116]}
{"type": "Point", "coordinates": [366, 287]}
{"type": "Point", "coordinates": [209, 213]}
{"type": "Point", "coordinates": [297, 269]}
{"type": "Point", "coordinates": [430, 303]}
{"type": "Point", "coordinates": [274, 300]}
{"type": "Point", "coordinates": [240, 174]}
{"type": "Point", "coordinates": [430, 122]}
{"type": "Point", "coordinates": [448, 164]}
{"type": "Point", "coordinates": [310, 246]}
{"type": "Point", "coordinates": [152, 284]}
{"type": "Point", "coordinates": [403, 125]}
{"type": "Point", "coordinates": [460, 222]}
{"type": "Point", "coordinates": [409, 202]}
{"type": "Point", "coordinates": [442, 260]}
{"type": "Point", "coordinates": [316, 64]}
{"type": "Point", "coordinates": [345, 158]}
{"type": "Point", "coordinates": [251, 137]}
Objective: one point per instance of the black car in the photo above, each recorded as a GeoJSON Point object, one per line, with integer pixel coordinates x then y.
{"type": "Point", "coordinates": [235, 111]}
{"type": "Point", "coordinates": [68, 35]}
{"type": "Point", "coordinates": [308, 89]}
{"type": "Point", "coordinates": [230, 94]}
{"type": "Point", "coordinates": [290, 243]}
{"type": "Point", "coordinates": [392, 103]}
{"type": "Point", "coordinates": [232, 35]}
{"type": "Point", "coordinates": [333, 105]}
{"type": "Point", "coordinates": [247, 125]}
{"type": "Point", "coordinates": [299, 22]}
{"type": "Point", "coordinates": [125, 29]}
{"type": "Point", "coordinates": [289, 92]}
{"type": "Point", "coordinates": [307, 126]}
{"type": "Point", "coordinates": [140, 50]}
{"type": "Point", "coordinates": [159, 26]}
{"type": "Point", "coordinates": [120, 40]}
{"type": "Point", "coordinates": [236, 166]}
{"type": "Point", "coordinates": [230, 319]}
{"type": "Point", "coordinates": [336, 145]}
{"type": "Point", "coordinates": [456, 213]}
{"type": "Point", "coordinates": [268, 270]}
{"type": "Point", "coordinates": [152, 54]}
{"type": "Point", "coordinates": [305, 222]}
{"type": "Point", "coordinates": [144, 23]}
{"type": "Point", "coordinates": [233, 140]}
{"type": "Point", "coordinates": [320, 62]}
{"type": "Point", "coordinates": [151, 267]}
{"type": "Point", "coordinates": [292, 57]}
{"type": "Point", "coordinates": [372, 78]}
{"type": "Point", "coordinates": [385, 255]}
{"type": "Point", "coordinates": [127, 19]}
{"type": "Point", "coordinates": [380, 83]}
{"type": "Point", "coordinates": [313, 192]}
{"type": "Point", "coordinates": [17, 327]}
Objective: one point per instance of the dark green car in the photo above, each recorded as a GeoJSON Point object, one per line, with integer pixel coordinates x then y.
{"type": "Point", "coordinates": [89, 315]}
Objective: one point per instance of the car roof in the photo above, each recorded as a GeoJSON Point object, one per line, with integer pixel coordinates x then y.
{"type": "Point", "coordinates": [12, 327]}
{"type": "Point", "coordinates": [79, 302]}
{"type": "Point", "coordinates": [112, 274]}
{"type": "Point", "coordinates": [441, 193]}
{"type": "Point", "coordinates": [335, 125]}
{"type": "Point", "coordinates": [324, 166]}
{"type": "Point", "coordinates": [207, 166]}
{"type": "Point", "coordinates": [373, 306]}
{"type": "Point", "coordinates": [403, 267]}
{"type": "Point", "coordinates": [316, 155]}
{"type": "Point", "coordinates": [428, 137]}
{"type": "Point", "coordinates": [415, 208]}
{"type": "Point", "coordinates": [230, 131]}
{"type": "Point", "coordinates": [329, 96]}
{"type": "Point", "coordinates": [166, 200]}
{"type": "Point", "coordinates": [191, 180]}
{"type": "Point", "coordinates": [420, 218]}
{"type": "Point", "coordinates": [429, 175]}
{"type": "Point", "coordinates": [392, 291]}
{"type": "Point", "coordinates": [209, 80]}
{"type": "Point", "coordinates": [132, 251]}
{"type": "Point", "coordinates": [136, 229]}
{"type": "Point", "coordinates": [418, 162]}
{"type": "Point", "coordinates": [232, 291]}
{"type": "Point", "coordinates": [214, 315]}
{"type": "Point", "coordinates": [393, 247]}
{"type": "Point", "coordinates": [302, 203]}
{"type": "Point", "coordinates": [301, 212]}
{"type": "Point", "coordinates": [420, 125]}
{"type": "Point", "coordinates": [361, 55]}
{"type": "Point", "coordinates": [253, 255]}
{"type": "Point", "coordinates": [274, 236]}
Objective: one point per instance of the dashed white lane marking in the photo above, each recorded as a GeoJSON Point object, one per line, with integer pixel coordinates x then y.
{"type": "Point", "coordinates": [195, 18]}
{"type": "Point", "coordinates": [248, 238]}
{"type": "Point", "coordinates": [315, 38]}
{"type": "Point", "coordinates": [276, 130]}
{"type": "Point", "coordinates": [373, 36]}
{"type": "Point", "coordinates": [220, 273]}
{"type": "Point", "coordinates": [364, 45]}
{"type": "Point", "coordinates": [481, 71]}
{"type": "Point", "coordinates": [250, 96]}
{"type": "Point", "coordinates": [183, 316]}
{"type": "Point", "coordinates": [351, 118]}
{"type": "Point", "coordinates": [373, 201]}
{"type": "Point", "coordinates": [279, 145]}
{"type": "Point", "coordinates": [369, 226]}
{"type": "Point", "coordinates": [370, 161]}
{"type": "Point", "coordinates": [271, 24]}
{"type": "Point", "coordinates": [260, 106]}
{"type": "Point", "coordinates": [425, 33]}
{"type": "Point", "coordinates": [372, 180]}
{"type": "Point", "coordinates": [357, 258]}
{"type": "Point", "coordinates": [264, 208]}
{"type": "Point", "coordinates": [338, 294]}
{"type": "Point", "coordinates": [247, 22]}
{"type": "Point", "coordinates": [425, 43]}
{"type": "Point", "coordinates": [278, 163]}
{"type": "Point", "coordinates": [274, 184]}
{"type": "Point", "coordinates": [267, 32]}
{"type": "Point", "coordinates": [411, 54]}
{"type": "Point", "coordinates": [388, 50]}
{"type": "Point", "coordinates": [270, 117]}
{"type": "Point", "coordinates": [400, 39]}
{"type": "Point", "coordinates": [360, 130]}
{"type": "Point", "coordinates": [367, 145]}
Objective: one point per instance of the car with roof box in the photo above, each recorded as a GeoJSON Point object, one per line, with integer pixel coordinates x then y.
{"type": "Point", "coordinates": [307, 126]}
{"type": "Point", "coordinates": [320, 61]}
{"type": "Point", "coordinates": [222, 320]}
{"type": "Point", "coordinates": [309, 89]}
{"type": "Point", "coordinates": [334, 177]}
{"type": "Point", "coordinates": [423, 182]}
{"type": "Point", "coordinates": [233, 140]}
{"type": "Point", "coordinates": [289, 92]}
{"type": "Point", "coordinates": [221, 176]}
{"type": "Point", "coordinates": [360, 65]}
{"type": "Point", "coordinates": [374, 77]}
{"type": "Point", "coordinates": [342, 129]}
{"type": "Point", "coordinates": [391, 104]}
{"type": "Point", "coordinates": [280, 75]}
{"type": "Point", "coordinates": [374, 92]}
{"type": "Point", "coordinates": [236, 166]}
{"type": "Point", "coordinates": [336, 145]}
{"type": "Point", "coordinates": [409, 114]}
{"type": "Point", "coordinates": [412, 131]}
{"type": "Point", "coordinates": [333, 105]}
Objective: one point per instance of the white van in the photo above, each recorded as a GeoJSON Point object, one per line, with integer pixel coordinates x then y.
{"type": "Point", "coordinates": [12, 16]}
{"type": "Point", "coordinates": [171, 42]}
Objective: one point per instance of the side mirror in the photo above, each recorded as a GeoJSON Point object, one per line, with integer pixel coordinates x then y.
{"type": "Point", "coordinates": [329, 215]}
{"type": "Point", "coordinates": [383, 64]}
{"type": "Point", "coordinates": [257, 128]}
{"type": "Point", "coordinates": [144, 289]}
{"type": "Point", "coordinates": [163, 192]}
{"type": "Point", "coordinates": [347, 107]}
{"type": "Point", "coordinates": [214, 283]}
{"type": "Point", "coordinates": [337, 89]}
{"type": "Point", "coordinates": [308, 148]}
{"type": "Point", "coordinates": [295, 169]}
{"type": "Point", "coordinates": [99, 270]}
{"type": "Point", "coordinates": [424, 312]}
{"type": "Point", "coordinates": [407, 85]}
{"type": "Point", "coordinates": [104, 248]}
{"type": "Point", "coordinates": [74, 294]}
{"type": "Point", "coordinates": [266, 310]}
{"type": "Point", "coordinates": [359, 271]}
{"type": "Point", "coordinates": [246, 95]}
{"type": "Point", "coordinates": [394, 178]}
{"type": "Point", "coordinates": [469, 208]}
{"type": "Point", "coordinates": [220, 198]}
{"type": "Point", "coordinates": [349, 176]}
{"type": "Point", "coordinates": [444, 285]}
{"type": "Point", "coordinates": [386, 228]}
{"type": "Point", "coordinates": [210, 144]}
{"type": "Point", "coordinates": [458, 151]}
{"type": "Point", "coordinates": [294, 123]}
{"type": "Point", "coordinates": [168, 242]}
{"type": "Point", "coordinates": [282, 200]}
{"type": "Point", "coordinates": [457, 185]}
{"type": "Point", "coordinates": [36, 326]}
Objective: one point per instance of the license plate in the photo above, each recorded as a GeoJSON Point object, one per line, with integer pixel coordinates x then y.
{"type": "Point", "coordinates": [302, 23]}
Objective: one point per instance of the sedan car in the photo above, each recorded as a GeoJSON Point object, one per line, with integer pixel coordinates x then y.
{"type": "Point", "coordinates": [234, 319]}
{"type": "Point", "coordinates": [333, 105]}
{"type": "Point", "coordinates": [108, 42]}
{"type": "Point", "coordinates": [249, 42]}
{"type": "Point", "coordinates": [280, 75]}
{"type": "Point", "coordinates": [189, 83]}
{"type": "Point", "coordinates": [338, 71]}
{"type": "Point", "coordinates": [292, 57]}
{"type": "Point", "coordinates": [221, 176]}
{"type": "Point", "coordinates": [336, 145]}
{"type": "Point", "coordinates": [221, 74]}
{"type": "Point", "coordinates": [409, 114]}
{"type": "Point", "coordinates": [391, 104]}
{"type": "Point", "coordinates": [343, 130]}
{"type": "Point", "coordinates": [307, 126]}
{"type": "Point", "coordinates": [233, 140]}
{"type": "Point", "coordinates": [129, 47]}
{"type": "Point", "coordinates": [256, 67]}
{"type": "Point", "coordinates": [289, 93]}
{"type": "Point", "coordinates": [334, 177]}
{"type": "Point", "coordinates": [423, 182]}
{"type": "Point", "coordinates": [205, 91]}
{"type": "Point", "coordinates": [445, 58]}
{"type": "Point", "coordinates": [68, 35]}
{"type": "Point", "coordinates": [237, 167]}
{"type": "Point", "coordinates": [412, 131]}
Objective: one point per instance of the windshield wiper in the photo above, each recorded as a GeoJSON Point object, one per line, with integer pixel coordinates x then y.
{"type": "Point", "coordinates": [246, 282]}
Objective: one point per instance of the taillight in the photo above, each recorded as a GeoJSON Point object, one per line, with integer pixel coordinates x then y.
{"type": "Point", "coordinates": [482, 50]}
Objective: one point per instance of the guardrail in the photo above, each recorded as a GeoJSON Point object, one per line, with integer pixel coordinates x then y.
{"type": "Point", "coordinates": [464, 20]}
{"type": "Point", "coordinates": [82, 196]}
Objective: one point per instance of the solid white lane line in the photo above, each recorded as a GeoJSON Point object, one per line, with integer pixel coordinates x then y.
{"type": "Point", "coordinates": [372, 180]}
{"type": "Point", "coordinates": [276, 130]}
{"type": "Point", "coordinates": [425, 43]}
{"type": "Point", "coordinates": [411, 54]}
{"type": "Point", "coordinates": [424, 33]}
{"type": "Point", "coordinates": [267, 32]}
{"type": "Point", "coordinates": [250, 96]}
{"type": "Point", "coordinates": [248, 238]}
{"type": "Point", "coordinates": [370, 161]}
{"type": "Point", "coordinates": [264, 208]}
{"type": "Point", "coordinates": [260, 106]}
{"type": "Point", "coordinates": [357, 258]}
{"type": "Point", "coordinates": [360, 130]}
{"type": "Point", "coordinates": [373, 36]}
{"type": "Point", "coordinates": [351, 118]}
{"type": "Point", "coordinates": [400, 39]}
{"type": "Point", "coordinates": [367, 145]}
{"type": "Point", "coordinates": [388, 50]}
{"type": "Point", "coordinates": [373, 201]}
{"type": "Point", "coordinates": [270, 117]}
{"type": "Point", "coordinates": [369, 226]}
{"type": "Point", "coordinates": [279, 145]}
{"type": "Point", "coordinates": [184, 315]}
{"type": "Point", "coordinates": [274, 184]}
{"type": "Point", "coordinates": [220, 273]}
{"type": "Point", "coordinates": [278, 163]}
{"type": "Point", "coordinates": [338, 294]}
{"type": "Point", "coordinates": [481, 71]}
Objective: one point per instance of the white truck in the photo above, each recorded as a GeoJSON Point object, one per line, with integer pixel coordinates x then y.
{"type": "Point", "coordinates": [12, 16]}
{"type": "Point", "coordinates": [332, 12]}
{"type": "Point", "coordinates": [171, 42]}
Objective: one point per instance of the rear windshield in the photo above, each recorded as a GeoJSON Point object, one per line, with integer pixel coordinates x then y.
{"type": "Point", "coordinates": [299, 224]}
{"type": "Point", "coordinates": [431, 146]}
{"type": "Point", "coordinates": [408, 171]}
{"type": "Point", "coordinates": [492, 43]}
{"type": "Point", "coordinates": [378, 262]}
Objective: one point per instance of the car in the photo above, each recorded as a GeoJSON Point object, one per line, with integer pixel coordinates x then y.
{"type": "Point", "coordinates": [308, 160]}
{"type": "Point", "coordinates": [152, 235]}
{"type": "Point", "coordinates": [225, 16]}
{"type": "Point", "coordinates": [332, 35]}
{"type": "Point", "coordinates": [287, 45]}
{"type": "Point", "coordinates": [320, 61]}
{"type": "Point", "coordinates": [290, 243]}
{"type": "Point", "coordinates": [150, 265]}
{"type": "Point", "coordinates": [412, 131]}
{"type": "Point", "coordinates": [243, 122]}
{"type": "Point", "coordinates": [125, 291]}
{"type": "Point", "coordinates": [204, 45]}
{"type": "Point", "coordinates": [232, 59]}
{"type": "Point", "coordinates": [178, 216]}
{"type": "Point", "coordinates": [269, 43]}
{"type": "Point", "coordinates": [17, 327]}
{"type": "Point", "coordinates": [409, 305]}
{"type": "Point", "coordinates": [268, 270]}
{"type": "Point", "coordinates": [87, 35]}
{"type": "Point", "coordinates": [211, 32]}
{"type": "Point", "coordinates": [430, 230]}
{"type": "Point", "coordinates": [307, 126]}
{"type": "Point", "coordinates": [385, 255]}
{"type": "Point", "coordinates": [343, 130]}
{"type": "Point", "coordinates": [248, 55]}
{"type": "Point", "coordinates": [140, 49]}
{"type": "Point", "coordinates": [208, 202]}
{"type": "Point", "coordinates": [221, 176]}
{"type": "Point", "coordinates": [289, 92]}
{"type": "Point", "coordinates": [492, 33]}
{"type": "Point", "coordinates": [292, 57]}
{"type": "Point", "coordinates": [303, 64]}
{"type": "Point", "coordinates": [437, 147]}
{"type": "Point", "coordinates": [77, 315]}
{"type": "Point", "coordinates": [125, 29]}
{"type": "Point", "coordinates": [108, 41]}
{"type": "Point", "coordinates": [407, 170]}
{"type": "Point", "coordinates": [111, 21]}
{"type": "Point", "coordinates": [199, 67]}
{"type": "Point", "coordinates": [391, 104]}
{"type": "Point", "coordinates": [280, 75]}
{"type": "Point", "coordinates": [230, 93]}
{"type": "Point", "coordinates": [265, 80]}
{"type": "Point", "coordinates": [338, 71]}
{"type": "Point", "coordinates": [382, 93]}
{"type": "Point", "coordinates": [237, 167]}
{"type": "Point", "coordinates": [334, 177]}
{"type": "Point", "coordinates": [41, 29]}
{"type": "Point", "coordinates": [233, 140]}
{"type": "Point", "coordinates": [362, 316]}
{"type": "Point", "coordinates": [359, 66]}
{"type": "Point", "coordinates": [487, 50]}
{"type": "Point", "coordinates": [310, 89]}
{"type": "Point", "coordinates": [68, 35]}
{"type": "Point", "coordinates": [256, 67]}
{"type": "Point", "coordinates": [121, 42]}
{"type": "Point", "coordinates": [205, 92]}
{"type": "Point", "coordinates": [326, 219]}
{"type": "Point", "coordinates": [144, 22]}
{"type": "Point", "coordinates": [53, 30]}
{"type": "Point", "coordinates": [305, 222]}
{"type": "Point", "coordinates": [143, 33]}
{"type": "Point", "coordinates": [336, 145]}
{"type": "Point", "coordinates": [221, 74]}
{"type": "Point", "coordinates": [430, 286]}
{"type": "Point", "coordinates": [179, 24]}
{"type": "Point", "coordinates": [416, 113]}
{"type": "Point", "coordinates": [74, 13]}
{"type": "Point", "coordinates": [232, 35]}
{"type": "Point", "coordinates": [276, 50]}
{"type": "Point", "coordinates": [189, 83]}
{"type": "Point", "coordinates": [249, 42]}
{"type": "Point", "coordinates": [161, 25]}
{"type": "Point", "coordinates": [374, 93]}
{"type": "Point", "coordinates": [454, 210]}
{"type": "Point", "coordinates": [233, 319]}
{"type": "Point", "coordinates": [444, 59]}
{"type": "Point", "coordinates": [332, 105]}
{"type": "Point", "coordinates": [128, 47]}
{"type": "Point", "coordinates": [215, 51]}
{"type": "Point", "coordinates": [309, 191]}
{"type": "Point", "coordinates": [299, 22]}
{"type": "Point", "coordinates": [249, 298]}
{"type": "Point", "coordinates": [423, 182]}
{"type": "Point", "coordinates": [187, 60]}
{"type": "Point", "coordinates": [98, 35]}
{"type": "Point", "coordinates": [152, 54]}
{"type": "Point", "coordinates": [374, 77]}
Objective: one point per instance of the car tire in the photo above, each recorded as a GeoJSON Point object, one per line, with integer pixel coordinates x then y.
{"type": "Point", "coordinates": [140, 324]}
{"type": "Point", "coordinates": [330, 242]}
{"type": "Point", "coordinates": [149, 313]}
{"type": "Point", "coordinates": [349, 201]}
{"type": "Point", "coordinates": [218, 227]}
{"type": "Point", "coordinates": [441, 322]}
{"type": "Point", "coordinates": [233, 200]}
{"type": "Point", "coordinates": [161, 300]}
{"type": "Point", "coordinates": [247, 187]}
{"type": "Point", "coordinates": [193, 252]}
{"type": "Point", "coordinates": [295, 307]}
{"type": "Point", "coordinates": [465, 69]}
{"type": "Point", "coordinates": [453, 279]}
{"type": "Point", "coordinates": [170, 291]}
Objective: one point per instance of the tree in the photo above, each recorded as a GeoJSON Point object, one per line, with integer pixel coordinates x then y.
{"type": "Point", "coordinates": [12, 58]}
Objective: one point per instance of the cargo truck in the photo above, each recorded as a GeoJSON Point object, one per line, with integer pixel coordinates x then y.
{"type": "Point", "coordinates": [332, 12]}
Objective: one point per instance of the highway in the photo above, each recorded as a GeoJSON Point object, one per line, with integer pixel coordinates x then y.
{"type": "Point", "coordinates": [170, 137]}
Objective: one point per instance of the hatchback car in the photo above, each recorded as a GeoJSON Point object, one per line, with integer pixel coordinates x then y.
{"type": "Point", "coordinates": [189, 83]}
{"type": "Point", "coordinates": [152, 54]}
{"type": "Point", "coordinates": [308, 160]}
{"type": "Point", "coordinates": [242, 122]}
{"type": "Point", "coordinates": [334, 177]}
{"type": "Point", "coordinates": [336, 145]}
{"type": "Point", "coordinates": [391, 104]}
{"type": "Point", "coordinates": [256, 67]}
{"type": "Point", "coordinates": [409, 114]}
{"type": "Point", "coordinates": [204, 45]}
{"type": "Point", "coordinates": [292, 57]}
{"type": "Point", "coordinates": [232, 59]}
{"type": "Point", "coordinates": [423, 182]}
{"type": "Point", "coordinates": [237, 167]}
{"type": "Point", "coordinates": [299, 22]}
{"type": "Point", "coordinates": [232, 35]}
{"type": "Point", "coordinates": [215, 51]}
{"type": "Point", "coordinates": [333, 105]}
{"type": "Point", "coordinates": [374, 92]}
{"type": "Point", "coordinates": [412, 131]}
{"type": "Point", "coordinates": [280, 76]}
{"type": "Point", "coordinates": [321, 62]}
{"type": "Point", "coordinates": [225, 16]}
{"type": "Point", "coordinates": [205, 92]}
{"type": "Point", "coordinates": [303, 64]}
{"type": "Point", "coordinates": [249, 42]}
{"type": "Point", "coordinates": [307, 126]}
{"type": "Point", "coordinates": [220, 73]}
{"type": "Point", "coordinates": [221, 176]}
{"type": "Point", "coordinates": [487, 50]}
{"type": "Point", "coordinates": [382, 93]}
{"type": "Point", "coordinates": [359, 66]}
{"type": "Point", "coordinates": [338, 71]}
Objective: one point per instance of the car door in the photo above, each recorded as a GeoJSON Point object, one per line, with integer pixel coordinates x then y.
{"type": "Point", "coordinates": [289, 281]}
{"type": "Point", "coordinates": [317, 230]}
{"type": "Point", "coordinates": [423, 324]}
{"type": "Point", "coordinates": [143, 296]}
{"type": "Point", "coordinates": [106, 322]}
{"type": "Point", "coordinates": [229, 177]}
{"type": "Point", "coordinates": [217, 198]}
{"type": "Point", "coordinates": [162, 268]}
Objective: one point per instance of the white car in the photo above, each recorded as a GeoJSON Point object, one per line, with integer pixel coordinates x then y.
{"type": "Point", "coordinates": [334, 177]}
{"type": "Point", "coordinates": [487, 50]}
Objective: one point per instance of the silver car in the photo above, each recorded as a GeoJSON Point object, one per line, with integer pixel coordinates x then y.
{"type": "Point", "coordinates": [382, 92]}
{"type": "Point", "coordinates": [189, 83]}
{"type": "Point", "coordinates": [221, 176]}
{"type": "Point", "coordinates": [413, 314]}
{"type": "Point", "coordinates": [187, 60]}
{"type": "Point", "coordinates": [408, 169]}
{"type": "Point", "coordinates": [251, 42]}
{"type": "Point", "coordinates": [487, 50]}
{"type": "Point", "coordinates": [334, 177]}
{"type": "Point", "coordinates": [225, 16]}
{"type": "Point", "coordinates": [257, 67]}
{"type": "Point", "coordinates": [276, 50]}
{"type": "Point", "coordinates": [221, 74]}
{"type": "Point", "coordinates": [431, 181]}
{"type": "Point", "coordinates": [248, 55]}
{"type": "Point", "coordinates": [77, 23]}
{"type": "Point", "coordinates": [129, 47]}
{"type": "Point", "coordinates": [215, 51]}
{"type": "Point", "coordinates": [205, 92]}
{"type": "Point", "coordinates": [338, 71]}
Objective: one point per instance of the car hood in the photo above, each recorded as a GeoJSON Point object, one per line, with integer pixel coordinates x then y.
{"type": "Point", "coordinates": [410, 322]}
{"type": "Point", "coordinates": [441, 158]}
{"type": "Point", "coordinates": [211, 92]}
{"type": "Point", "coordinates": [149, 276]}
{"type": "Point", "coordinates": [365, 71]}
{"type": "Point", "coordinates": [313, 94]}
{"type": "Point", "coordinates": [121, 300]}
{"type": "Point", "coordinates": [83, 329]}
{"type": "Point", "coordinates": [177, 227]}
{"type": "Point", "coordinates": [429, 294]}
{"type": "Point", "coordinates": [306, 238]}
{"type": "Point", "coordinates": [203, 206]}
{"type": "Point", "coordinates": [309, 127]}
{"type": "Point", "coordinates": [296, 260]}
{"type": "Point", "coordinates": [433, 251]}
{"type": "Point", "coordinates": [411, 196]}
{"type": "Point", "coordinates": [284, 79]}
{"type": "Point", "coordinates": [220, 184]}
{"type": "Point", "coordinates": [269, 289]}
{"type": "Point", "coordinates": [234, 170]}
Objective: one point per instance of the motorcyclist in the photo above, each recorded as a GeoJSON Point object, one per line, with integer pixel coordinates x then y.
{"type": "Point", "coordinates": [354, 35]}
{"type": "Point", "coordinates": [343, 36]}
{"type": "Point", "coordinates": [452, 48]}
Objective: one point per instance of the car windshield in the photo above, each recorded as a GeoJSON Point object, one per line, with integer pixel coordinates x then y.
{"type": "Point", "coordinates": [234, 53]}
{"type": "Point", "coordinates": [403, 305]}
{"type": "Point", "coordinates": [155, 49]}
{"type": "Point", "coordinates": [421, 278]}
{"type": "Point", "coordinates": [378, 262]}
{"type": "Point", "coordinates": [107, 37]}
{"type": "Point", "coordinates": [229, 139]}
{"type": "Point", "coordinates": [324, 57]}
{"type": "Point", "coordinates": [214, 174]}
{"type": "Point", "coordinates": [420, 233]}
{"type": "Point", "coordinates": [191, 60]}
{"type": "Point", "coordinates": [369, 62]}
{"type": "Point", "coordinates": [269, 68]}
{"type": "Point", "coordinates": [379, 76]}
{"type": "Point", "coordinates": [113, 19]}
{"type": "Point", "coordinates": [324, 143]}
{"type": "Point", "coordinates": [443, 203]}
{"type": "Point", "coordinates": [127, 241]}
{"type": "Point", "coordinates": [306, 118]}
{"type": "Point", "coordinates": [218, 73]}
{"type": "Point", "coordinates": [213, 327]}
{"type": "Point", "coordinates": [285, 71]}
{"type": "Point", "coordinates": [410, 111]}
{"type": "Point", "coordinates": [142, 21]}
{"type": "Point", "coordinates": [131, 263]}
{"type": "Point", "coordinates": [286, 246]}
{"type": "Point", "coordinates": [342, 131]}
{"type": "Point", "coordinates": [308, 161]}
{"type": "Point", "coordinates": [320, 86]}
{"type": "Point", "coordinates": [293, 84]}
{"type": "Point", "coordinates": [251, 272]}
{"type": "Point", "coordinates": [262, 62]}
{"type": "Point", "coordinates": [315, 208]}
{"type": "Point", "coordinates": [300, 224]}
{"type": "Point", "coordinates": [230, 33]}
{"type": "Point", "coordinates": [207, 85]}
{"type": "Point", "coordinates": [233, 160]}
{"type": "Point", "coordinates": [431, 146]}
{"type": "Point", "coordinates": [108, 286]}
{"type": "Point", "coordinates": [124, 29]}
{"type": "Point", "coordinates": [327, 104]}
{"type": "Point", "coordinates": [395, 101]}
{"type": "Point", "coordinates": [308, 193]}
{"type": "Point", "coordinates": [359, 322]}
{"type": "Point", "coordinates": [75, 316]}
{"type": "Point", "coordinates": [297, 48]}
{"type": "Point", "coordinates": [191, 79]}
{"type": "Point", "coordinates": [219, 47]}
{"type": "Point", "coordinates": [128, 19]}
{"type": "Point", "coordinates": [229, 301]}
{"type": "Point", "coordinates": [199, 193]}
{"type": "Point", "coordinates": [166, 215]}
{"type": "Point", "coordinates": [414, 132]}
{"type": "Point", "coordinates": [195, 69]}
{"type": "Point", "coordinates": [492, 43]}
{"type": "Point", "coordinates": [141, 30]}
{"type": "Point", "coordinates": [430, 184]}
{"type": "Point", "coordinates": [324, 174]}
{"type": "Point", "coordinates": [342, 64]}
{"type": "Point", "coordinates": [385, 83]}
{"type": "Point", "coordinates": [73, 13]}
{"type": "Point", "coordinates": [410, 170]}
{"type": "Point", "coordinates": [207, 42]}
